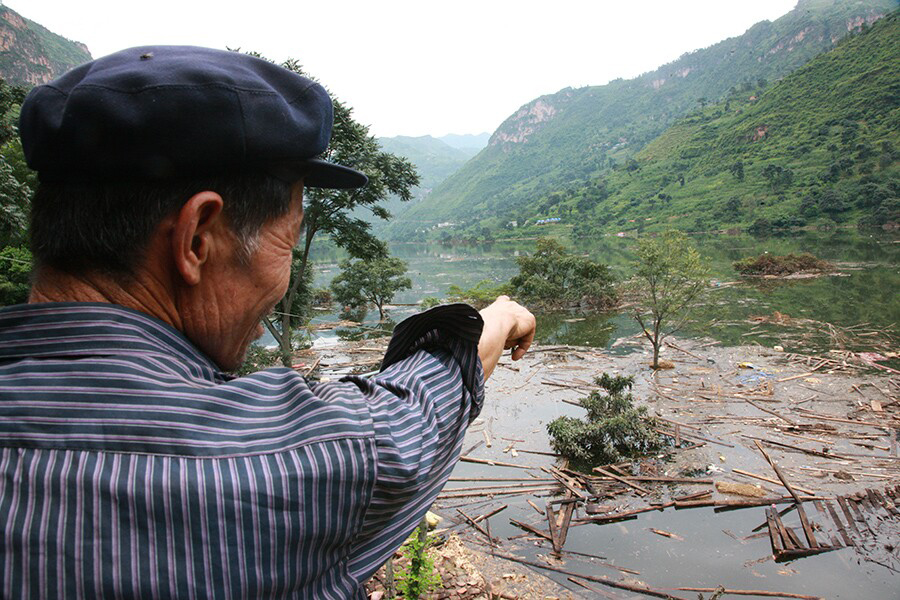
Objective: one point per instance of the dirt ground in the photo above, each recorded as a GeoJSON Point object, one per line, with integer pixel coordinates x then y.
{"type": "Point", "coordinates": [830, 422]}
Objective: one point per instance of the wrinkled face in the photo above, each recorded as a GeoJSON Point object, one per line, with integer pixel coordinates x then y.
{"type": "Point", "coordinates": [225, 314]}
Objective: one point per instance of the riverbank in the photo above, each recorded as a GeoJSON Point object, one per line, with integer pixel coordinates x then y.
{"type": "Point", "coordinates": [829, 422]}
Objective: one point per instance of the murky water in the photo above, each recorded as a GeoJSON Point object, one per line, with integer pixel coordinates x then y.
{"type": "Point", "coordinates": [865, 292]}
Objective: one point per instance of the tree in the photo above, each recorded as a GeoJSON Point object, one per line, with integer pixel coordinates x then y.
{"type": "Point", "coordinates": [332, 212]}
{"type": "Point", "coordinates": [669, 278]}
{"type": "Point", "coordinates": [15, 275]}
{"type": "Point", "coordinates": [777, 176]}
{"type": "Point", "coordinates": [554, 277]}
{"type": "Point", "coordinates": [737, 169]}
{"type": "Point", "coordinates": [370, 281]}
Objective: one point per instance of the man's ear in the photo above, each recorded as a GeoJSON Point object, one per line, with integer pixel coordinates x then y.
{"type": "Point", "coordinates": [193, 233]}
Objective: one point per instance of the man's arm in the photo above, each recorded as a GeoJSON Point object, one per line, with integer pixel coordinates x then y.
{"type": "Point", "coordinates": [507, 324]}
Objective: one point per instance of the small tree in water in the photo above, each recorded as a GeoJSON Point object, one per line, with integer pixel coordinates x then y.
{"type": "Point", "coordinates": [374, 281]}
{"type": "Point", "coordinates": [670, 278]}
{"type": "Point", "coordinates": [614, 428]}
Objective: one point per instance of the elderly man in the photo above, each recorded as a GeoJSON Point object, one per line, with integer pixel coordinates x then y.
{"type": "Point", "coordinates": [131, 464]}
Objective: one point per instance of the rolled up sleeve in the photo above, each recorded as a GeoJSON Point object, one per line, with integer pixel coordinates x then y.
{"type": "Point", "coordinates": [431, 386]}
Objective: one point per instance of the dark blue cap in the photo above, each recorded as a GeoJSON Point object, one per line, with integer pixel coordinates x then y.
{"type": "Point", "coordinates": [159, 112]}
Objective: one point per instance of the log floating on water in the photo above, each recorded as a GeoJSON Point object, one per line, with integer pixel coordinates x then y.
{"type": "Point", "coordinates": [600, 580]}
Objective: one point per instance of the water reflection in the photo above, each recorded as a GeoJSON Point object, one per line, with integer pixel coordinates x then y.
{"type": "Point", "coordinates": [865, 293]}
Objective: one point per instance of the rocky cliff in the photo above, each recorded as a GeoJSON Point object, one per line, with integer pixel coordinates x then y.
{"type": "Point", "coordinates": [30, 54]}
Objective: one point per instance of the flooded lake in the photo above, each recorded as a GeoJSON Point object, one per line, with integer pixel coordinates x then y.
{"type": "Point", "coordinates": [864, 291]}
{"type": "Point", "coordinates": [713, 550]}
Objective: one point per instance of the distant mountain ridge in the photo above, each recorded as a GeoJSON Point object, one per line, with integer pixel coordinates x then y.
{"type": "Point", "coordinates": [467, 141]}
{"type": "Point", "coordinates": [566, 140]}
{"type": "Point", "coordinates": [434, 159]}
{"type": "Point", "coordinates": [31, 54]}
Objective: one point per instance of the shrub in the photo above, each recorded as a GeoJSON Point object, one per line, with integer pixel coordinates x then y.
{"type": "Point", "coordinates": [419, 577]}
{"type": "Point", "coordinates": [770, 264]}
{"type": "Point", "coordinates": [614, 428]}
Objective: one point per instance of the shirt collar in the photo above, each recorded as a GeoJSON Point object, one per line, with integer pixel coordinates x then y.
{"type": "Point", "coordinates": [78, 329]}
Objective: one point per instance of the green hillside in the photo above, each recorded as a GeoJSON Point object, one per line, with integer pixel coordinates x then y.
{"type": "Point", "coordinates": [30, 54]}
{"type": "Point", "coordinates": [559, 144]}
{"type": "Point", "coordinates": [820, 146]}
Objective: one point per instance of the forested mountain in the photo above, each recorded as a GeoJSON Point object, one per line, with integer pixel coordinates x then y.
{"type": "Point", "coordinates": [30, 54]}
{"type": "Point", "coordinates": [569, 141]}
{"type": "Point", "coordinates": [821, 145]}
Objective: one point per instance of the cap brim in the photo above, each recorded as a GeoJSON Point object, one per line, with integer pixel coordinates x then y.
{"type": "Point", "coordinates": [319, 174]}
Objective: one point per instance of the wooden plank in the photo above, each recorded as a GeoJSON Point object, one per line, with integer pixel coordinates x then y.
{"type": "Point", "coordinates": [641, 490]}
{"type": "Point", "coordinates": [778, 472]}
{"type": "Point", "coordinates": [786, 539]}
{"type": "Point", "coordinates": [840, 526]}
{"type": "Point", "coordinates": [567, 482]}
{"type": "Point", "coordinates": [795, 539]}
{"type": "Point", "coordinates": [531, 529]}
{"type": "Point", "coordinates": [554, 534]}
{"type": "Point", "coordinates": [492, 541]}
{"type": "Point", "coordinates": [774, 533]}
{"type": "Point", "coordinates": [807, 529]}
{"type": "Point", "coordinates": [567, 511]}
{"type": "Point", "coordinates": [851, 522]}
{"type": "Point", "coordinates": [770, 480]}
{"type": "Point", "coordinates": [493, 463]}
{"type": "Point", "coordinates": [771, 412]}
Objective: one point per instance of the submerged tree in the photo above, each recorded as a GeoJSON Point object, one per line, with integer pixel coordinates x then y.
{"type": "Point", "coordinates": [669, 279]}
{"type": "Point", "coordinates": [365, 281]}
{"type": "Point", "coordinates": [552, 276]}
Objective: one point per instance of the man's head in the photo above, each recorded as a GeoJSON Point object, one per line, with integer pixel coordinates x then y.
{"type": "Point", "coordinates": [175, 175]}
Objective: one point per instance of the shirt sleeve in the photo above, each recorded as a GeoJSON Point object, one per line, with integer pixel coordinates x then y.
{"type": "Point", "coordinates": [431, 386]}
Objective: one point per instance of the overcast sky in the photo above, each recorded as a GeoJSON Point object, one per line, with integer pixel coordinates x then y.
{"type": "Point", "coordinates": [417, 67]}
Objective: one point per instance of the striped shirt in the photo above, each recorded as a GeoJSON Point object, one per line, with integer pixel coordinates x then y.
{"type": "Point", "coordinates": [131, 467]}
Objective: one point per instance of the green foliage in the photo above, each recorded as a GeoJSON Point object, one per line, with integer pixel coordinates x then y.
{"type": "Point", "coordinates": [430, 302]}
{"type": "Point", "coordinates": [614, 428]}
{"type": "Point", "coordinates": [16, 180]}
{"type": "Point", "coordinates": [552, 277]}
{"type": "Point", "coordinates": [419, 577]}
{"type": "Point", "coordinates": [484, 293]}
{"type": "Point", "coordinates": [577, 136]}
{"type": "Point", "coordinates": [770, 264]}
{"type": "Point", "coordinates": [15, 273]}
{"type": "Point", "coordinates": [669, 278]}
{"type": "Point", "coordinates": [777, 176]}
{"type": "Point", "coordinates": [370, 281]}
{"type": "Point", "coordinates": [816, 147]}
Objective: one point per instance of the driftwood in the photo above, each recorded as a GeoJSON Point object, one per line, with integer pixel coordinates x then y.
{"type": "Point", "coordinates": [770, 480]}
{"type": "Point", "coordinates": [641, 490]}
{"type": "Point", "coordinates": [493, 463]}
{"type": "Point", "coordinates": [600, 580]}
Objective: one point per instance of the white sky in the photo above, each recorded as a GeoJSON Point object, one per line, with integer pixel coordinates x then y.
{"type": "Point", "coordinates": [420, 67]}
